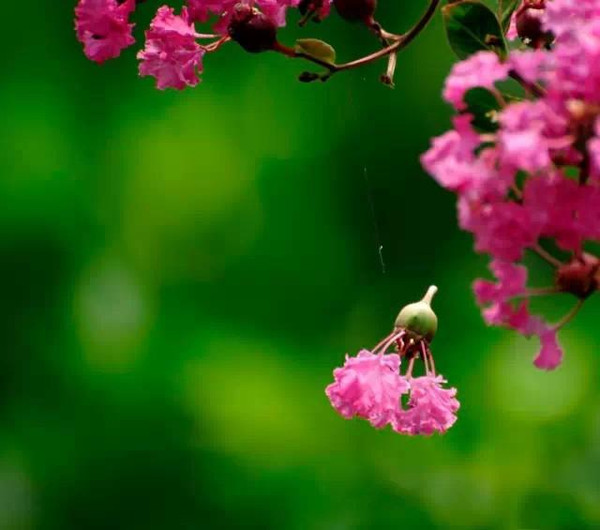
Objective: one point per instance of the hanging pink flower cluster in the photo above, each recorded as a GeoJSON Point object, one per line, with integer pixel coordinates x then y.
{"type": "Point", "coordinates": [530, 183]}
{"type": "Point", "coordinates": [174, 50]}
{"type": "Point", "coordinates": [370, 385]}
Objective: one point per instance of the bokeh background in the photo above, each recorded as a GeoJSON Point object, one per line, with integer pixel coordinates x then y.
{"type": "Point", "coordinates": [181, 272]}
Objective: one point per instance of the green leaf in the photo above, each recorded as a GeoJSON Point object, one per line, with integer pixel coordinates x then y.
{"type": "Point", "coordinates": [472, 27]}
{"type": "Point", "coordinates": [505, 10]}
{"type": "Point", "coordinates": [316, 48]}
{"type": "Point", "coordinates": [484, 107]}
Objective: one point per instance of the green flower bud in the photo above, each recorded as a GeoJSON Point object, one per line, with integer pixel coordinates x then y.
{"type": "Point", "coordinates": [419, 318]}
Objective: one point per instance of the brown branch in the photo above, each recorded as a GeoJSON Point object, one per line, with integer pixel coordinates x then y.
{"type": "Point", "coordinates": [401, 42]}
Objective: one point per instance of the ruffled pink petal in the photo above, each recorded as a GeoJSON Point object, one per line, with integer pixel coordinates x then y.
{"type": "Point", "coordinates": [103, 27]}
{"type": "Point", "coordinates": [431, 408]}
{"type": "Point", "coordinates": [171, 54]}
{"type": "Point", "coordinates": [368, 386]}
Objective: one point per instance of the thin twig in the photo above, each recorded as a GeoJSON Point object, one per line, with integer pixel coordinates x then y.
{"type": "Point", "coordinates": [570, 315]}
{"type": "Point", "coordinates": [542, 291]}
{"type": "Point", "coordinates": [545, 255]}
{"type": "Point", "coordinates": [534, 89]}
{"type": "Point", "coordinates": [401, 42]}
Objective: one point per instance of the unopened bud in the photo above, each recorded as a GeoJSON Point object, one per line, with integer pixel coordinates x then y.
{"type": "Point", "coordinates": [580, 277]}
{"type": "Point", "coordinates": [356, 10]}
{"type": "Point", "coordinates": [251, 29]}
{"type": "Point", "coordinates": [530, 28]}
{"type": "Point", "coordinates": [419, 318]}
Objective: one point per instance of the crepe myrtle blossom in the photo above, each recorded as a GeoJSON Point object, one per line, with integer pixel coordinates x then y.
{"type": "Point", "coordinates": [103, 27]}
{"type": "Point", "coordinates": [529, 182]}
{"type": "Point", "coordinates": [371, 385]}
{"type": "Point", "coordinates": [171, 54]}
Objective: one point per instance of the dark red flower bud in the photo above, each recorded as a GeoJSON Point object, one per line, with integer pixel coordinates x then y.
{"type": "Point", "coordinates": [580, 277]}
{"type": "Point", "coordinates": [529, 26]}
{"type": "Point", "coordinates": [356, 10]}
{"type": "Point", "coordinates": [251, 29]}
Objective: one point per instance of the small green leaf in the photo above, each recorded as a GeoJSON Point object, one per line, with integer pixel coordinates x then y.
{"type": "Point", "coordinates": [505, 10]}
{"type": "Point", "coordinates": [316, 48]}
{"type": "Point", "coordinates": [484, 107]}
{"type": "Point", "coordinates": [472, 27]}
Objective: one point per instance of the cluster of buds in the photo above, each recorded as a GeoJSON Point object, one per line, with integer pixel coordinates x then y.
{"type": "Point", "coordinates": [371, 385]}
{"type": "Point", "coordinates": [529, 181]}
{"type": "Point", "coordinates": [174, 50]}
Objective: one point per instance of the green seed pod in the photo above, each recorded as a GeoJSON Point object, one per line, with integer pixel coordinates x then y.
{"type": "Point", "coordinates": [419, 318]}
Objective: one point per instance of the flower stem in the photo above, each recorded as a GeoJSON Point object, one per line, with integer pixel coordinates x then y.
{"type": "Point", "coordinates": [391, 338]}
{"type": "Point", "coordinates": [545, 255]}
{"type": "Point", "coordinates": [570, 315]}
{"type": "Point", "coordinates": [542, 291]}
{"type": "Point", "coordinates": [216, 44]}
{"type": "Point", "coordinates": [411, 365]}
{"type": "Point", "coordinates": [535, 89]}
{"type": "Point", "coordinates": [400, 42]}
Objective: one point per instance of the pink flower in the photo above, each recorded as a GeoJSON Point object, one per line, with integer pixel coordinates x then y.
{"type": "Point", "coordinates": [451, 158]}
{"type": "Point", "coordinates": [431, 408]}
{"type": "Point", "coordinates": [103, 27]}
{"type": "Point", "coordinates": [571, 20]}
{"type": "Point", "coordinates": [276, 9]}
{"type": "Point", "coordinates": [556, 201]}
{"type": "Point", "coordinates": [503, 229]}
{"type": "Point", "coordinates": [551, 354]}
{"type": "Point", "coordinates": [171, 54]}
{"type": "Point", "coordinates": [528, 133]}
{"type": "Point", "coordinates": [200, 10]}
{"type": "Point", "coordinates": [530, 65]}
{"type": "Point", "coordinates": [512, 281]}
{"type": "Point", "coordinates": [482, 69]}
{"type": "Point", "coordinates": [511, 315]}
{"type": "Point", "coordinates": [368, 386]}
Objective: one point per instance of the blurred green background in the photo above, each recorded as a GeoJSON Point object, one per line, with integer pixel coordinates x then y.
{"type": "Point", "coordinates": [181, 272]}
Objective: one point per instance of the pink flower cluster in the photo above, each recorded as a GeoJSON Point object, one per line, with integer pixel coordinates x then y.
{"type": "Point", "coordinates": [535, 177]}
{"type": "Point", "coordinates": [172, 53]}
{"type": "Point", "coordinates": [370, 386]}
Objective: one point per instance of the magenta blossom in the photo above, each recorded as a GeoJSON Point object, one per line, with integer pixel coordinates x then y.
{"type": "Point", "coordinates": [103, 27]}
{"type": "Point", "coordinates": [368, 386]}
{"type": "Point", "coordinates": [222, 10]}
{"type": "Point", "coordinates": [431, 408]}
{"type": "Point", "coordinates": [171, 54]}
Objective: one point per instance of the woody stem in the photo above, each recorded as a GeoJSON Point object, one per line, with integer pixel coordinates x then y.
{"type": "Point", "coordinates": [402, 42]}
